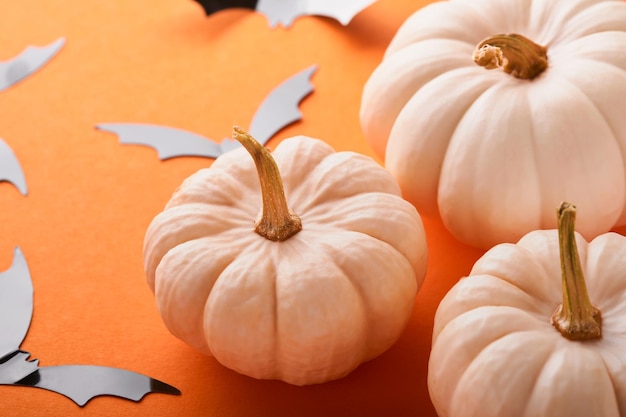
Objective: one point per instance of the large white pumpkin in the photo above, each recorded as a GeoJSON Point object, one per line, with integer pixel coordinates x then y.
{"type": "Point", "coordinates": [491, 153]}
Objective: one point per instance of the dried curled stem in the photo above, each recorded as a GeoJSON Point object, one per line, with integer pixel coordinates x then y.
{"type": "Point", "coordinates": [514, 53]}
{"type": "Point", "coordinates": [277, 222]}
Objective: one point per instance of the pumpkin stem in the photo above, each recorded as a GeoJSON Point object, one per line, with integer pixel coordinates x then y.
{"type": "Point", "coordinates": [515, 54]}
{"type": "Point", "coordinates": [575, 318]}
{"type": "Point", "coordinates": [277, 222]}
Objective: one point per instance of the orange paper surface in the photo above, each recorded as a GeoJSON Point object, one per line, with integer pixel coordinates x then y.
{"type": "Point", "coordinates": [90, 199]}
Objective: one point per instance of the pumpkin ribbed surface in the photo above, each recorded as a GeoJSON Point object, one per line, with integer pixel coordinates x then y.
{"type": "Point", "coordinates": [305, 310]}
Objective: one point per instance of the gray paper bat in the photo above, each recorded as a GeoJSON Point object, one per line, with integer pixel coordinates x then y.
{"type": "Point", "coordinates": [80, 383]}
{"type": "Point", "coordinates": [10, 168]}
{"type": "Point", "coordinates": [278, 110]}
{"type": "Point", "coordinates": [28, 61]}
{"type": "Point", "coordinates": [285, 12]}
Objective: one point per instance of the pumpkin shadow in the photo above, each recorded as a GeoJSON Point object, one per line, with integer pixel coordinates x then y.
{"type": "Point", "coordinates": [387, 385]}
{"type": "Point", "coordinates": [621, 230]}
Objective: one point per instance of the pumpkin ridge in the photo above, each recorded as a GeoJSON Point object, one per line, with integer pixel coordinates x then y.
{"type": "Point", "coordinates": [279, 365]}
{"type": "Point", "coordinates": [614, 383]}
{"type": "Point", "coordinates": [535, 318]}
{"type": "Point", "coordinates": [461, 206]}
{"type": "Point", "coordinates": [382, 101]}
{"type": "Point", "coordinates": [365, 319]}
{"type": "Point", "coordinates": [462, 81]}
{"type": "Point", "coordinates": [213, 312]}
{"type": "Point", "coordinates": [615, 10]}
{"type": "Point", "coordinates": [320, 187]}
{"type": "Point", "coordinates": [535, 252]}
{"type": "Point", "coordinates": [177, 219]}
{"type": "Point", "coordinates": [540, 308]}
{"type": "Point", "coordinates": [595, 104]}
{"type": "Point", "coordinates": [174, 286]}
{"type": "Point", "coordinates": [602, 125]}
{"type": "Point", "coordinates": [563, 11]}
{"type": "Point", "coordinates": [213, 185]}
{"type": "Point", "coordinates": [570, 349]}
{"type": "Point", "coordinates": [530, 257]}
{"type": "Point", "coordinates": [169, 232]}
{"type": "Point", "coordinates": [419, 26]}
{"type": "Point", "coordinates": [457, 350]}
{"type": "Point", "coordinates": [358, 208]}
{"type": "Point", "coordinates": [599, 47]}
{"type": "Point", "coordinates": [368, 301]}
{"type": "Point", "coordinates": [277, 334]}
{"type": "Point", "coordinates": [406, 247]}
{"type": "Point", "coordinates": [293, 170]}
{"type": "Point", "coordinates": [291, 366]}
{"type": "Point", "coordinates": [541, 197]}
{"type": "Point", "coordinates": [530, 337]}
{"type": "Point", "coordinates": [601, 261]}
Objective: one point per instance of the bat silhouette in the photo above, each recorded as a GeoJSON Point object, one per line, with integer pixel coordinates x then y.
{"type": "Point", "coordinates": [26, 62]}
{"type": "Point", "coordinates": [278, 110]}
{"type": "Point", "coordinates": [80, 383]}
{"type": "Point", "coordinates": [10, 168]}
{"type": "Point", "coordinates": [284, 12]}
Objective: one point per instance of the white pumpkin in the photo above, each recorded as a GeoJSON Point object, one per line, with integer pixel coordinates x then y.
{"type": "Point", "coordinates": [523, 336]}
{"type": "Point", "coordinates": [303, 296]}
{"type": "Point", "coordinates": [492, 153]}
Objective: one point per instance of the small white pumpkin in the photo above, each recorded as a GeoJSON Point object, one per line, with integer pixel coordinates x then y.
{"type": "Point", "coordinates": [492, 152]}
{"type": "Point", "coordinates": [302, 296]}
{"type": "Point", "coordinates": [524, 335]}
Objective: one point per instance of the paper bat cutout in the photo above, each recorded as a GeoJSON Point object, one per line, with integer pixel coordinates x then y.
{"type": "Point", "coordinates": [278, 110]}
{"type": "Point", "coordinates": [10, 168]}
{"type": "Point", "coordinates": [284, 12]}
{"type": "Point", "coordinates": [80, 383]}
{"type": "Point", "coordinates": [27, 62]}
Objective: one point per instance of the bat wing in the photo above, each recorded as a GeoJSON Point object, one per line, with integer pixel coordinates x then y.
{"type": "Point", "coordinates": [212, 6]}
{"type": "Point", "coordinates": [168, 141]}
{"type": "Point", "coordinates": [28, 61]}
{"type": "Point", "coordinates": [81, 383]}
{"type": "Point", "coordinates": [16, 304]}
{"type": "Point", "coordinates": [16, 366]}
{"type": "Point", "coordinates": [10, 168]}
{"type": "Point", "coordinates": [343, 11]}
{"type": "Point", "coordinates": [280, 107]}
{"type": "Point", "coordinates": [285, 12]}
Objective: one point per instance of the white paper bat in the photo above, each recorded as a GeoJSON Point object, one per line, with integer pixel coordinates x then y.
{"type": "Point", "coordinates": [278, 110]}
{"type": "Point", "coordinates": [26, 62]}
{"type": "Point", "coordinates": [10, 168]}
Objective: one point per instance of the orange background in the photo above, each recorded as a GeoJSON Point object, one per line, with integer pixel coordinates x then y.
{"type": "Point", "coordinates": [91, 199]}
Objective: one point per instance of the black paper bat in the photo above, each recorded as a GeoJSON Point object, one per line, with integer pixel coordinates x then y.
{"type": "Point", "coordinates": [80, 383]}
{"type": "Point", "coordinates": [26, 62]}
{"type": "Point", "coordinates": [286, 11]}
{"type": "Point", "coordinates": [278, 110]}
{"type": "Point", "coordinates": [10, 168]}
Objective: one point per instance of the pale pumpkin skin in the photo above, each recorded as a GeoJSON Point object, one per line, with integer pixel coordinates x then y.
{"type": "Point", "coordinates": [305, 310]}
{"type": "Point", "coordinates": [488, 152]}
{"type": "Point", "coordinates": [496, 353]}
